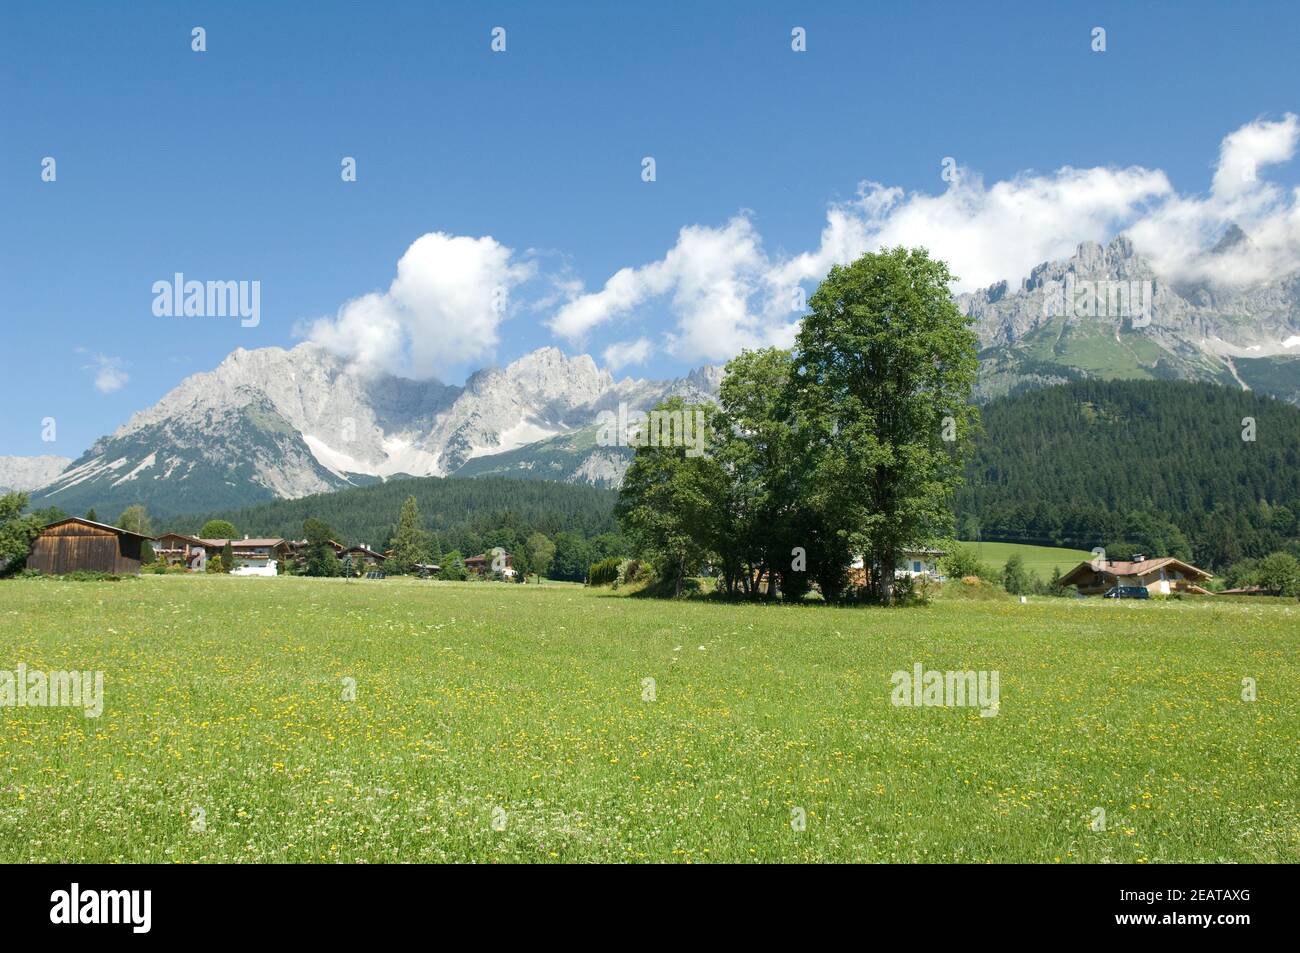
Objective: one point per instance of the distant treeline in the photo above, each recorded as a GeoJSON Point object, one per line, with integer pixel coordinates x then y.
{"type": "Point", "coordinates": [469, 516]}
{"type": "Point", "coordinates": [1195, 470]}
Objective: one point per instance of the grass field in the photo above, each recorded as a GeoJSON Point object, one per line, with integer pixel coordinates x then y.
{"type": "Point", "coordinates": [1039, 560]}
{"type": "Point", "coordinates": [509, 723]}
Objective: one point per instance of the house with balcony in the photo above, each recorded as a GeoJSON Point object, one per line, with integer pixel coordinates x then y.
{"type": "Point", "coordinates": [1160, 577]}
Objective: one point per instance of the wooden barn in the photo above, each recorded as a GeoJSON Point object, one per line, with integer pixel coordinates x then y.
{"type": "Point", "coordinates": [76, 544]}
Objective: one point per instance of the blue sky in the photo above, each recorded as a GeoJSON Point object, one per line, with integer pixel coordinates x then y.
{"type": "Point", "coordinates": [225, 164]}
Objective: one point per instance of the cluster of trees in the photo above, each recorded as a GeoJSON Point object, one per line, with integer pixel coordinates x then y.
{"type": "Point", "coordinates": [553, 529]}
{"type": "Point", "coordinates": [469, 515]}
{"type": "Point", "coordinates": [850, 443]}
{"type": "Point", "coordinates": [17, 530]}
{"type": "Point", "coordinates": [1198, 471]}
{"type": "Point", "coordinates": [1277, 573]}
{"type": "Point", "coordinates": [414, 544]}
{"type": "Point", "coordinates": [575, 555]}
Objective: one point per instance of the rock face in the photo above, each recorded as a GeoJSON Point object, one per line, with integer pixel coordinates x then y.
{"type": "Point", "coordinates": [20, 474]}
{"type": "Point", "coordinates": [1071, 320]}
{"type": "Point", "coordinates": [287, 423]}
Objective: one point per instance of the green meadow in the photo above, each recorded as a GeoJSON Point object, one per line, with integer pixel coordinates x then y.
{"type": "Point", "coordinates": [292, 719]}
{"type": "Point", "coordinates": [1039, 560]}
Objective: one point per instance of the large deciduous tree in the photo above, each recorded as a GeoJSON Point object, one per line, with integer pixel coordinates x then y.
{"type": "Point", "coordinates": [883, 371]}
{"type": "Point", "coordinates": [135, 519]}
{"type": "Point", "coordinates": [766, 520]}
{"type": "Point", "coordinates": [218, 529]}
{"type": "Point", "coordinates": [669, 501]}
{"type": "Point", "coordinates": [540, 553]}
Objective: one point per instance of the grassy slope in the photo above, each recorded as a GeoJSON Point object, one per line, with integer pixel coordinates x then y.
{"type": "Point", "coordinates": [1038, 559]}
{"type": "Point", "coordinates": [224, 693]}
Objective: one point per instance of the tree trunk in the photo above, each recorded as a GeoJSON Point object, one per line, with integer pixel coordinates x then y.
{"type": "Point", "coordinates": [888, 560]}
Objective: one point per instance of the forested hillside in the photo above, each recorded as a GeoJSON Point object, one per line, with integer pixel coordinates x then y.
{"type": "Point", "coordinates": [466, 514]}
{"type": "Point", "coordinates": [1156, 466]}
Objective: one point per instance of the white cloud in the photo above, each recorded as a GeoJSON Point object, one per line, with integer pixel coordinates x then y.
{"type": "Point", "coordinates": [108, 373]}
{"type": "Point", "coordinates": [623, 353]}
{"type": "Point", "coordinates": [711, 275]}
{"type": "Point", "coordinates": [444, 309]}
{"type": "Point", "coordinates": [986, 234]}
{"type": "Point", "coordinates": [726, 293]}
{"type": "Point", "coordinates": [1176, 234]}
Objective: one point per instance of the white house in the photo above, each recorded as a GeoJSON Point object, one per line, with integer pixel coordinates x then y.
{"type": "Point", "coordinates": [912, 562]}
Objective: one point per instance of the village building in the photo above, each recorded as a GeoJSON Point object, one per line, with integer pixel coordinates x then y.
{"type": "Point", "coordinates": [253, 556]}
{"type": "Point", "coordinates": [299, 547]}
{"type": "Point", "coordinates": [913, 562]}
{"type": "Point", "coordinates": [177, 549]}
{"type": "Point", "coordinates": [364, 555]}
{"type": "Point", "coordinates": [1160, 577]}
{"type": "Point", "coordinates": [483, 564]}
{"type": "Point", "coordinates": [80, 545]}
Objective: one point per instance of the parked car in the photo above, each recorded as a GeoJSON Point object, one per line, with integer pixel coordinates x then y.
{"type": "Point", "coordinates": [1128, 592]}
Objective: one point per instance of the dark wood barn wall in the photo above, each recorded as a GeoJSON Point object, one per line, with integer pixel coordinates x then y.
{"type": "Point", "coordinates": [68, 548]}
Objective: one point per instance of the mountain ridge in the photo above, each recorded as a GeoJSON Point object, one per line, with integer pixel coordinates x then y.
{"type": "Point", "coordinates": [276, 423]}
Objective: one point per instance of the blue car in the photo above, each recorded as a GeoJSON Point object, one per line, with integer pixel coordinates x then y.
{"type": "Point", "coordinates": [1128, 592]}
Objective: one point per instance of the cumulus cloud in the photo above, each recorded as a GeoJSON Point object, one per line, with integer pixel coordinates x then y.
{"type": "Point", "coordinates": [443, 309]}
{"type": "Point", "coordinates": [710, 275]}
{"type": "Point", "coordinates": [1176, 235]}
{"type": "Point", "coordinates": [107, 373]}
{"type": "Point", "coordinates": [726, 293]}
{"type": "Point", "coordinates": [623, 353]}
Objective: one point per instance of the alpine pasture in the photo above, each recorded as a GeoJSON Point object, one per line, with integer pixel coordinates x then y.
{"type": "Point", "coordinates": [296, 719]}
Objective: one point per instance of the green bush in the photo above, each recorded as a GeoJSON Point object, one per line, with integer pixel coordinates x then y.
{"type": "Point", "coordinates": [604, 573]}
{"type": "Point", "coordinates": [1015, 579]}
{"type": "Point", "coordinates": [453, 567]}
{"type": "Point", "coordinates": [963, 560]}
{"type": "Point", "coordinates": [913, 591]}
{"type": "Point", "coordinates": [630, 570]}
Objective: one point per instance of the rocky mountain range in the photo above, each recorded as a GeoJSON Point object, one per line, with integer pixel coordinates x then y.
{"type": "Point", "coordinates": [275, 423]}
{"type": "Point", "coordinates": [1105, 313]}
{"type": "Point", "coordinates": [271, 423]}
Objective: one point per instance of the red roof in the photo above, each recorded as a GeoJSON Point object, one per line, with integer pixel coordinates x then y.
{"type": "Point", "coordinates": [1127, 567]}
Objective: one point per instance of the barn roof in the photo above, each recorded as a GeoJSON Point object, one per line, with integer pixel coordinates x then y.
{"type": "Point", "coordinates": [86, 522]}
